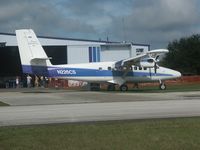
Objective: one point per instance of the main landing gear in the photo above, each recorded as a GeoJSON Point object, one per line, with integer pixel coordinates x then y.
{"type": "Point", "coordinates": [123, 87]}
{"type": "Point", "coordinates": [111, 87]}
{"type": "Point", "coordinates": [94, 87]}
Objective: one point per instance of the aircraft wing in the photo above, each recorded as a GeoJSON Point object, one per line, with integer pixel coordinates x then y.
{"type": "Point", "coordinates": [136, 60]}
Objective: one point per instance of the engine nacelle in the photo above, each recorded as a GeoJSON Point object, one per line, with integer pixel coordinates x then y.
{"type": "Point", "coordinates": [147, 62]}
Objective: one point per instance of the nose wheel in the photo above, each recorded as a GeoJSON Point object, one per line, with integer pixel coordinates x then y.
{"type": "Point", "coordinates": [162, 86]}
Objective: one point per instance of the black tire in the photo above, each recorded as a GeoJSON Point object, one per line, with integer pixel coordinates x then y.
{"type": "Point", "coordinates": [162, 86]}
{"type": "Point", "coordinates": [124, 88]}
{"type": "Point", "coordinates": [94, 87]}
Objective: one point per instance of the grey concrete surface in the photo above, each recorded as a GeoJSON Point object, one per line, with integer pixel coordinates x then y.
{"type": "Point", "coordinates": [45, 114]}
{"type": "Point", "coordinates": [26, 97]}
{"type": "Point", "coordinates": [41, 106]}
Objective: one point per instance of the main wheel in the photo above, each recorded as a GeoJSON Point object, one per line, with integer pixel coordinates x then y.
{"type": "Point", "coordinates": [94, 87]}
{"type": "Point", "coordinates": [162, 86]}
{"type": "Point", "coordinates": [124, 87]}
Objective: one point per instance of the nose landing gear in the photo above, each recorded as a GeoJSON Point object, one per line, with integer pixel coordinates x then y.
{"type": "Point", "coordinates": [162, 85]}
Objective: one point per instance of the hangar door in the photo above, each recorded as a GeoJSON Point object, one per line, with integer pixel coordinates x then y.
{"type": "Point", "coordinates": [10, 63]}
{"type": "Point", "coordinates": [115, 52]}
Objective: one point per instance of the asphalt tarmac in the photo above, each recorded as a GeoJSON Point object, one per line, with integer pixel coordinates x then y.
{"type": "Point", "coordinates": [44, 106]}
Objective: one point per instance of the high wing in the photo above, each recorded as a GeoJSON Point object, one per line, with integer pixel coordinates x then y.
{"type": "Point", "coordinates": [150, 56]}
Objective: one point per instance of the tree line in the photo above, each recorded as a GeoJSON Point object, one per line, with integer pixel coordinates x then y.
{"type": "Point", "coordinates": [184, 55]}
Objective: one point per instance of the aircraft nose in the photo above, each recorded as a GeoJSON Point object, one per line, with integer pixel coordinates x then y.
{"type": "Point", "coordinates": [177, 74]}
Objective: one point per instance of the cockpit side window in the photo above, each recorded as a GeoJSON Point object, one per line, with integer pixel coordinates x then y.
{"type": "Point", "coordinates": [109, 68]}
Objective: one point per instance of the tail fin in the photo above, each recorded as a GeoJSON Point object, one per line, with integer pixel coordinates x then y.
{"type": "Point", "coordinates": [33, 57]}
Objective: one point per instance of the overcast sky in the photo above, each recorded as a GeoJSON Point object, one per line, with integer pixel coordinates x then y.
{"type": "Point", "coordinates": [154, 22]}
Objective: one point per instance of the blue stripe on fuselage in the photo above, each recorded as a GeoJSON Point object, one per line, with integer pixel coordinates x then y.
{"type": "Point", "coordinates": [81, 72]}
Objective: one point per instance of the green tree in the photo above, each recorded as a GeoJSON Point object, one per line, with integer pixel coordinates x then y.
{"type": "Point", "coordinates": [184, 55]}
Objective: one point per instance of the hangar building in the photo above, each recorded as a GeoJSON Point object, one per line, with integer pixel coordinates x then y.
{"type": "Point", "coordinates": [65, 51]}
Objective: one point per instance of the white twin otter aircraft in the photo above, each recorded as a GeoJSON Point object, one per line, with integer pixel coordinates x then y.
{"type": "Point", "coordinates": [139, 69]}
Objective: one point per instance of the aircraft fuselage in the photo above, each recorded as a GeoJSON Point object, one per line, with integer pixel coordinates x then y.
{"type": "Point", "coordinates": [103, 72]}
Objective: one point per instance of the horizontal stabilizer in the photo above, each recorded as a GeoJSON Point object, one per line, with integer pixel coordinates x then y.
{"type": "Point", "coordinates": [45, 58]}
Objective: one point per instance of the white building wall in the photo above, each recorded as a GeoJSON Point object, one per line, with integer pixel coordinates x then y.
{"type": "Point", "coordinates": [114, 55]}
{"type": "Point", "coordinates": [77, 54]}
{"type": "Point", "coordinates": [138, 49]}
{"type": "Point", "coordinates": [115, 52]}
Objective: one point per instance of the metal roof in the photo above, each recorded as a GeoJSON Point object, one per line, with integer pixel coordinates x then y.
{"type": "Point", "coordinates": [62, 38]}
{"type": "Point", "coordinates": [84, 40]}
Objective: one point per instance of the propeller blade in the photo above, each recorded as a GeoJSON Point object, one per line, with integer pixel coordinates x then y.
{"type": "Point", "coordinates": [157, 58]}
{"type": "Point", "coordinates": [155, 68]}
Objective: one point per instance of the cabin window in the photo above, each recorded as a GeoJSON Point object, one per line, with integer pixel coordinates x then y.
{"type": "Point", "coordinates": [140, 68]}
{"type": "Point", "coordinates": [145, 68]}
{"type": "Point", "coordinates": [150, 60]}
{"type": "Point", "coordinates": [135, 68]}
{"type": "Point", "coordinates": [100, 68]}
{"type": "Point", "coordinates": [124, 68]}
{"type": "Point", "coordinates": [109, 68]}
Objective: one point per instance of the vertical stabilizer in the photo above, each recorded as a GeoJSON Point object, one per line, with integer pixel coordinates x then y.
{"type": "Point", "coordinates": [32, 55]}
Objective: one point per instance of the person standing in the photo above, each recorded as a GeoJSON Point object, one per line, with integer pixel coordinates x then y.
{"type": "Point", "coordinates": [36, 81]}
{"type": "Point", "coordinates": [28, 81]}
{"type": "Point", "coordinates": [42, 81]}
{"type": "Point", "coordinates": [17, 82]}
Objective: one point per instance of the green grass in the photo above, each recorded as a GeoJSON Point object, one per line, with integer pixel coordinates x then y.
{"type": "Point", "coordinates": [3, 104]}
{"type": "Point", "coordinates": [155, 88]}
{"type": "Point", "coordinates": [170, 88]}
{"type": "Point", "coordinates": [161, 134]}
{"type": "Point", "coordinates": [190, 87]}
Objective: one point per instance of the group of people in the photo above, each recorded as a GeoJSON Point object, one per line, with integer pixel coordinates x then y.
{"type": "Point", "coordinates": [34, 81]}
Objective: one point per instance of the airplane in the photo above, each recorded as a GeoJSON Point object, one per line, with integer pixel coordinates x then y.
{"type": "Point", "coordinates": [138, 69]}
